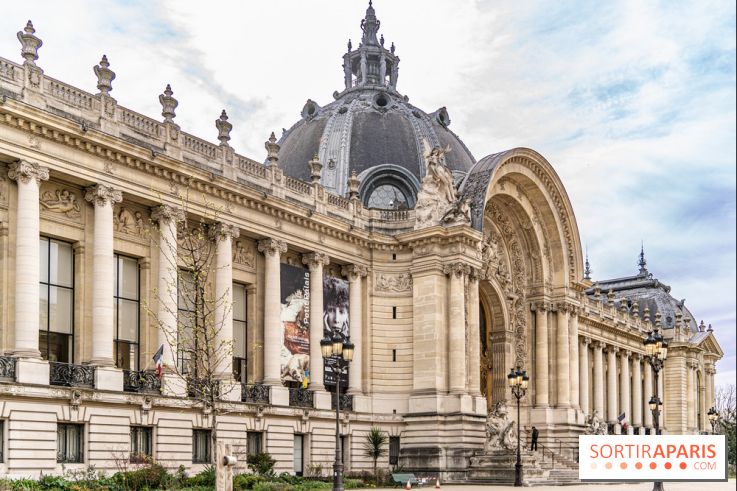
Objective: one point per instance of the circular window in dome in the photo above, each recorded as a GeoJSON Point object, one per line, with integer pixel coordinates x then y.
{"type": "Point", "coordinates": [388, 197]}
{"type": "Point", "coordinates": [381, 100]}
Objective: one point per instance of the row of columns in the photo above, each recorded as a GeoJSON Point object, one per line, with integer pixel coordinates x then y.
{"type": "Point", "coordinates": [29, 177]}
{"type": "Point", "coordinates": [565, 347]}
{"type": "Point", "coordinates": [464, 354]}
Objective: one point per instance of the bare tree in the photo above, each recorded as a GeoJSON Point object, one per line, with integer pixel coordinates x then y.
{"type": "Point", "coordinates": [193, 314]}
{"type": "Point", "coordinates": [726, 406]}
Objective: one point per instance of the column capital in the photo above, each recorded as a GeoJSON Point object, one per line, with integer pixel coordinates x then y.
{"type": "Point", "coordinates": [637, 356]}
{"type": "Point", "coordinates": [166, 213]}
{"type": "Point", "coordinates": [458, 269]}
{"type": "Point", "coordinates": [599, 345]}
{"type": "Point", "coordinates": [539, 305]}
{"type": "Point", "coordinates": [354, 271]}
{"type": "Point", "coordinates": [272, 247]}
{"type": "Point", "coordinates": [612, 349]}
{"type": "Point", "coordinates": [224, 231]}
{"type": "Point", "coordinates": [585, 340]}
{"type": "Point", "coordinates": [314, 259]}
{"type": "Point", "coordinates": [23, 171]}
{"type": "Point", "coordinates": [625, 353]}
{"type": "Point", "coordinates": [474, 274]}
{"type": "Point", "coordinates": [101, 195]}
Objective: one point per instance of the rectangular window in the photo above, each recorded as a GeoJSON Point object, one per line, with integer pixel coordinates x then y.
{"type": "Point", "coordinates": [56, 300]}
{"type": "Point", "coordinates": [393, 450]}
{"type": "Point", "coordinates": [2, 440]}
{"type": "Point", "coordinates": [239, 332]}
{"type": "Point", "coordinates": [69, 443]}
{"type": "Point", "coordinates": [254, 442]}
{"type": "Point", "coordinates": [201, 447]}
{"type": "Point", "coordinates": [344, 451]}
{"type": "Point", "coordinates": [186, 313]}
{"type": "Point", "coordinates": [141, 444]}
{"type": "Point", "coordinates": [298, 461]}
{"type": "Point", "coordinates": [127, 312]}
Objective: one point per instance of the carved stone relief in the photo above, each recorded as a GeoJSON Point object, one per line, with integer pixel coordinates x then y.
{"type": "Point", "coordinates": [393, 283]}
{"type": "Point", "coordinates": [244, 254]}
{"type": "Point", "coordinates": [129, 221]}
{"type": "Point", "coordinates": [60, 200]}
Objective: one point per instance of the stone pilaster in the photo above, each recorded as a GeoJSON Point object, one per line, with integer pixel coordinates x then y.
{"type": "Point", "coordinates": [598, 379]}
{"type": "Point", "coordinates": [457, 328]}
{"type": "Point", "coordinates": [573, 347]}
{"type": "Point", "coordinates": [474, 349]}
{"type": "Point", "coordinates": [637, 402]}
{"type": "Point", "coordinates": [27, 252]}
{"type": "Point", "coordinates": [583, 377]}
{"type": "Point", "coordinates": [315, 262]}
{"type": "Point", "coordinates": [356, 274]}
{"type": "Point", "coordinates": [272, 250]}
{"type": "Point", "coordinates": [691, 392]}
{"type": "Point", "coordinates": [624, 385]}
{"type": "Point", "coordinates": [103, 198]}
{"type": "Point", "coordinates": [223, 235]}
{"type": "Point", "coordinates": [167, 218]}
{"type": "Point", "coordinates": [562, 354]}
{"type": "Point", "coordinates": [541, 355]}
{"type": "Point", "coordinates": [611, 384]}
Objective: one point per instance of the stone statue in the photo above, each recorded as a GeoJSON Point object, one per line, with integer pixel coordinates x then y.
{"type": "Point", "coordinates": [458, 214]}
{"type": "Point", "coordinates": [438, 197]}
{"type": "Point", "coordinates": [594, 425]}
{"type": "Point", "coordinates": [501, 432]}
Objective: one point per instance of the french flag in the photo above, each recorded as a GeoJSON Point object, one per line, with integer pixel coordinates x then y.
{"type": "Point", "coordinates": [158, 356]}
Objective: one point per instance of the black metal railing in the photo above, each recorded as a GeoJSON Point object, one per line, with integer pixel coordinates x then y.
{"type": "Point", "coordinates": [255, 394]}
{"type": "Point", "coordinates": [141, 381]}
{"type": "Point", "coordinates": [346, 402]}
{"type": "Point", "coordinates": [203, 388]}
{"type": "Point", "coordinates": [7, 367]}
{"type": "Point", "coordinates": [70, 375]}
{"type": "Point", "coordinates": [301, 398]}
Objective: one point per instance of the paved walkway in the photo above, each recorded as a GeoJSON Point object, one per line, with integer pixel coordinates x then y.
{"type": "Point", "coordinates": [669, 486]}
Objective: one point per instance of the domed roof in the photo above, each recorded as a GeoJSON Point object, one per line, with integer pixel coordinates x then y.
{"type": "Point", "coordinates": [649, 293]}
{"type": "Point", "coordinates": [372, 130]}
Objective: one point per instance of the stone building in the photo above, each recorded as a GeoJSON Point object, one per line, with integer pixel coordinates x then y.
{"type": "Point", "coordinates": [456, 270]}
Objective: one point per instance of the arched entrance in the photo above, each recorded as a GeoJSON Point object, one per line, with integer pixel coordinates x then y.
{"type": "Point", "coordinates": [495, 353]}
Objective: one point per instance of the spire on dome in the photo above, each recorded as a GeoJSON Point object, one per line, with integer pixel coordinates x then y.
{"type": "Point", "coordinates": [642, 263]}
{"type": "Point", "coordinates": [587, 267]}
{"type": "Point", "coordinates": [370, 26]}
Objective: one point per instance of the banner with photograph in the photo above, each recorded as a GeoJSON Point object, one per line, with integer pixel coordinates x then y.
{"type": "Point", "coordinates": [295, 324]}
{"type": "Point", "coordinates": [335, 321]}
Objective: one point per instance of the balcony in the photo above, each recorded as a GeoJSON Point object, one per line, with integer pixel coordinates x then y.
{"type": "Point", "coordinates": [346, 402]}
{"type": "Point", "coordinates": [203, 389]}
{"type": "Point", "coordinates": [255, 394]}
{"type": "Point", "coordinates": [301, 398]}
{"type": "Point", "coordinates": [70, 375]}
{"type": "Point", "coordinates": [7, 368]}
{"type": "Point", "coordinates": [142, 381]}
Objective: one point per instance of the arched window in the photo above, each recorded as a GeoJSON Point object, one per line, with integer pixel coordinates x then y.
{"type": "Point", "coordinates": [388, 188]}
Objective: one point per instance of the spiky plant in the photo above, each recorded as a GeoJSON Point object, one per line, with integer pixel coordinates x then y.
{"type": "Point", "coordinates": [374, 446]}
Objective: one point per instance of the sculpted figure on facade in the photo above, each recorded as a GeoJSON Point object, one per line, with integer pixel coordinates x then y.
{"type": "Point", "coordinates": [128, 222]}
{"type": "Point", "coordinates": [61, 201]}
{"type": "Point", "coordinates": [438, 197]}
{"type": "Point", "coordinates": [394, 283]}
{"type": "Point", "coordinates": [595, 425]}
{"type": "Point", "coordinates": [501, 432]}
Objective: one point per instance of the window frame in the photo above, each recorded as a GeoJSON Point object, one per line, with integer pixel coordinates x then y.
{"type": "Point", "coordinates": [394, 442]}
{"type": "Point", "coordinates": [117, 298]}
{"type": "Point", "coordinates": [205, 433]}
{"type": "Point", "coordinates": [61, 456]}
{"type": "Point", "coordinates": [257, 435]}
{"type": "Point", "coordinates": [140, 456]}
{"type": "Point", "coordinates": [48, 286]}
{"type": "Point", "coordinates": [241, 363]}
{"type": "Point", "coordinates": [2, 441]}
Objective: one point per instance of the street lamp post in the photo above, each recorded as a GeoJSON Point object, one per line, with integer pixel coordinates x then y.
{"type": "Point", "coordinates": [657, 350]}
{"type": "Point", "coordinates": [342, 354]}
{"type": "Point", "coordinates": [713, 418]}
{"type": "Point", "coordinates": [518, 380]}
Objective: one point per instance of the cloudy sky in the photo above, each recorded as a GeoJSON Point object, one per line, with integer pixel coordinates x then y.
{"type": "Point", "coordinates": [633, 102]}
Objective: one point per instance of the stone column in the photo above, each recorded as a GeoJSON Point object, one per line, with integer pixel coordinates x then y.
{"type": "Point", "coordinates": [624, 385]}
{"type": "Point", "coordinates": [27, 254]}
{"type": "Point", "coordinates": [355, 274]}
{"type": "Point", "coordinates": [541, 355]}
{"type": "Point", "coordinates": [223, 235]}
{"type": "Point", "coordinates": [637, 402]}
{"type": "Point", "coordinates": [583, 373]}
{"type": "Point", "coordinates": [690, 395]}
{"type": "Point", "coordinates": [474, 349]}
{"type": "Point", "coordinates": [315, 262]}
{"type": "Point", "coordinates": [103, 199]}
{"type": "Point", "coordinates": [272, 250]}
{"type": "Point", "coordinates": [598, 379]}
{"type": "Point", "coordinates": [574, 371]}
{"type": "Point", "coordinates": [457, 328]}
{"type": "Point", "coordinates": [562, 354]}
{"type": "Point", "coordinates": [648, 393]}
{"type": "Point", "coordinates": [709, 381]}
{"type": "Point", "coordinates": [611, 384]}
{"type": "Point", "coordinates": [167, 218]}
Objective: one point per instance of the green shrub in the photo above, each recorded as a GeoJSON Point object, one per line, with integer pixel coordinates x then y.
{"type": "Point", "coordinates": [273, 486]}
{"type": "Point", "coordinates": [205, 478]}
{"type": "Point", "coordinates": [261, 463]}
{"type": "Point", "coordinates": [246, 481]}
{"type": "Point", "coordinates": [24, 485]}
{"type": "Point", "coordinates": [153, 476]}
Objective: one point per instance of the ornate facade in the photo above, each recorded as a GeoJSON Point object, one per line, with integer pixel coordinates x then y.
{"type": "Point", "coordinates": [457, 270]}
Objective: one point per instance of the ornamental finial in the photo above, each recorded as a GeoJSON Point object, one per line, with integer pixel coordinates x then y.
{"type": "Point", "coordinates": [168, 104]}
{"type": "Point", "coordinates": [105, 76]}
{"type": "Point", "coordinates": [315, 169]}
{"type": "Point", "coordinates": [642, 263]}
{"type": "Point", "coordinates": [272, 150]}
{"type": "Point", "coordinates": [353, 185]}
{"type": "Point", "coordinates": [29, 44]}
{"type": "Point", "coordinates": [223, 128]}
{"type": "Point", "coordinates": [587, 268]}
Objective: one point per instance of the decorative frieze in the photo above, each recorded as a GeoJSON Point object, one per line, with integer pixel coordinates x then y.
{"type": "Point", "coordinates": [61, 200]}
{"type": "Point", "coordinates": [129, 222]}
{"type": "Point", "coordinates": [398, 283]}
{"type": "Point", "coordinates": [244, 254]}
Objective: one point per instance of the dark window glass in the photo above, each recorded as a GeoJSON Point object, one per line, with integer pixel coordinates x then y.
{"type": "Point", "coordinates": [393, 450]}
{"type": "Point", "coordinates": [344, 453]}
{"type": "Point", "coordinates": [69, 443]}
{"type": "Point", "coordinates": [2, 440]}
{"type": "Point", "coordinates": [254, 442]}
{"type": "Point", "coordinates": [201, 447]}
{"type": "Point", "coordinates": [239, 332]}
{"type": "Point", "coordinates": [186, 306]}
{"type": "Point", "coordinates": [141, 444]}
{"type": "Point", "coordinates": [56, 300]}
{"type": "Point", "coordinates": [127, 308]}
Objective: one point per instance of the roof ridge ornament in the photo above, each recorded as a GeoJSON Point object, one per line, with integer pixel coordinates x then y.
{"type": "Point", "coordinates": [29, 44]}
{"type": "Point", "coordinates": [168, 104]}
{"type": "Point", "coordinates": [587, 267]}
{"type": "Point", "coordinates": [105, 76]}
{"type": "Point", "coordinates": [642, 263]}
{"type": "Point", "coordinates": [272, 150]}
{"type": "Point", "coordinates": [224, 128]}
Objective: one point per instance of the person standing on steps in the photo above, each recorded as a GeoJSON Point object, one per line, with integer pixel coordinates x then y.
{"type": "Point", "coordinates": [535, 434]}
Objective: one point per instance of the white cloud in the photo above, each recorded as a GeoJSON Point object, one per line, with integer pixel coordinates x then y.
{"type": "Point", "coordinates": [632, 102]}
